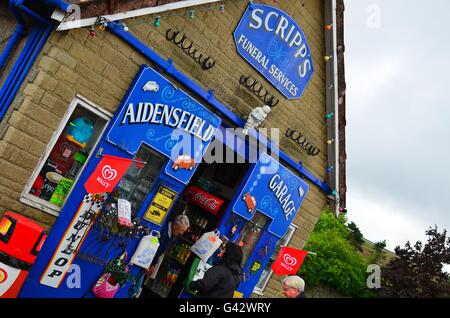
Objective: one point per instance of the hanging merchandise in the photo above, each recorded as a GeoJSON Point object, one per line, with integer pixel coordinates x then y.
{"type": "Point", "coordinates": [124, 212]}
{"type": "Point", "coordinates": [115, 276]}
{"type": "Point", "coordinates": [146, 250]}
{"type": "Point", "coordinates": [208, 243]}
{"type": "Point", "coordinates": [105, 287]}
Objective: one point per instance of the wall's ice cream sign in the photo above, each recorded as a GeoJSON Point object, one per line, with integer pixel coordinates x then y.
{"type": "Point", "coordinates": [273, 43]}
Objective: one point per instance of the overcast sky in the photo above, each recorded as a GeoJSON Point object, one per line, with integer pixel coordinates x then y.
{"type": "Point", "coordinates": [398, 117]}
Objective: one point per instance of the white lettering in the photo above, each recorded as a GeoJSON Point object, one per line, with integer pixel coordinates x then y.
{"type": "Point", "coordinates": [256, 19]}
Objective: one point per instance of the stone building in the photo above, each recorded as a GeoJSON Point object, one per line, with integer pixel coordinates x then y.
{"type": "Point", "coordinates": [83, 69]}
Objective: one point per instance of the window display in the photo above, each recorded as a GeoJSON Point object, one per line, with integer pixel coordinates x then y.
{"type": "Point", "coordinates": [67, 157]}
{"type": "Point", "coordinates": [140, 177]}
{"type": "Point", "coordinates": [250, 235]}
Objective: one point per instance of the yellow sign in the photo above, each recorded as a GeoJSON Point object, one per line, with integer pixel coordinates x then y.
{"type": "Point", "coordinates": [160, 205]}
{"type": "Point", "coordinates": [238, 294]}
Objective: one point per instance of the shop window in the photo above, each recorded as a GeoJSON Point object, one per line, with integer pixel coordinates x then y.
{"type": "Point", "coordinates": [139, 178]}
{"type": "Point", "coordinates": [65, 156]}
{"type": "Point", "coordinates": [250, 235]}
{"type": "Point", "coordinates": [267, 272]}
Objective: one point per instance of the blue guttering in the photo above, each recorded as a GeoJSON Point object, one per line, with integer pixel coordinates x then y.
{"type": "Point", "coordinates": [18, 33]}
{"type": "Point", "coordinates": [168, 66]}
{"type": "Point", "coordinates": [19, 4]}
{"type": "Point", "coordinates": [59, 4]}
{"type": "Point", "coordinates": [34, 44]}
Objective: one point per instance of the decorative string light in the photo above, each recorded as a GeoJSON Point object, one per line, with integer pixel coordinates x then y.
{"type": "Point", "coordinates": [124, 26]}
{"type": "Point", "coordinates": [328, 27]}
{"type": "Point", "coordinates": [334, 192]}
{"type": "Point", "coordinates": [327, 57]}
{"type": "Point", "coordinates": [191, 14]}
{"type": "Point", "coordinates": [329, 169]}
{"type": "Point", "coordinates": [329, 115]}
{"type": "Point", "coordinates": [222, 8]}
{"type": "Point", "coordinates": [330, 141]}
{"type": "Point", "coordinates": [157, 21]}
{"type": "Point", "coordinates": [92, 31]}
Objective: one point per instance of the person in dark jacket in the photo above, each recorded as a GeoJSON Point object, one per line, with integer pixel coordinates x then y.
{"type": "Point", "coordinates": [294, 287]}
{"type": "Point", "coordinates": [221, 280]}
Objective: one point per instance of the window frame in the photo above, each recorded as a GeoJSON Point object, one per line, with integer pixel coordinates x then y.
{"type": "Point", "coordinates": [26, 197]}
{"type": "Point", "coordinates": [260, 291]}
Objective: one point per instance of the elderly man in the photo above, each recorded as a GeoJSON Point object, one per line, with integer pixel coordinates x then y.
{"type": "Point", "coordinates": [294, 287]}
{"type": "Point", "coordinates": [167, 238]}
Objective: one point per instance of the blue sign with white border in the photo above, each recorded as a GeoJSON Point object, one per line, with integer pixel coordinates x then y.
{"type": "Point", "coordinates": [273, 43]}
{"type": "Point", "coordinates": [274, 191]}
{"type": "Point", "coordinates": [167, 119]}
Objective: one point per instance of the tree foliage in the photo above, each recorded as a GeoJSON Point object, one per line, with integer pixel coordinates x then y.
{"type": "Point", "coordinates": [418, 270]}
{"type": "Point", "coordinates": [378, 250]}
{"type": "Point", "coordinates": [337, 264]}
{"type": "Point", "coordinates": [356, 237]}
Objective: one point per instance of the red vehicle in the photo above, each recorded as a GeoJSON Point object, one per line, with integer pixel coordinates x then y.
{"type": "Point", "coordinates": [184, 162]}
{"type": "Point", "coordinates": [250, 201]}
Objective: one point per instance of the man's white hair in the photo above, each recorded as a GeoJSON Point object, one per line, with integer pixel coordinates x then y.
{"type": "Point", "coordinates": [182, 219]}
{"type": "Point", "coordinates": [295, 282]}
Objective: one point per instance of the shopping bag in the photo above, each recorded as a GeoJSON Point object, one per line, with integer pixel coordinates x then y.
{"type": "Point", "coordinates": [146, 250]}
{"type": "Point", "coordinates": [208, 243]}
{"type": "Point", "coordinates": [105, 288]}
{"type": "Point", "coordinates": [196, 272]}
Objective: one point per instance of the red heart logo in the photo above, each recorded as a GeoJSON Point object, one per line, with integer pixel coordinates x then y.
{"type": "Point", "coordinates": [289, 260]}
{"type": "Point", "coordinates": [109, 173]}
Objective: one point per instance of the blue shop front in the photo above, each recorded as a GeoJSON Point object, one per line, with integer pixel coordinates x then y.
{"type": "Point", "coordinates": [167, 134]}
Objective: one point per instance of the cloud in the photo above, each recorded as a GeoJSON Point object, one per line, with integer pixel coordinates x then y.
{"type": "Point", "coordinates": [397, 116]}
{"type": "Point", "coordinates": [380, 219]}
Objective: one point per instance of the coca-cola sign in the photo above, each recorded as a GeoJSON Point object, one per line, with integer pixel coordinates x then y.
{"type": "Point", "coordinates": [203, 199]}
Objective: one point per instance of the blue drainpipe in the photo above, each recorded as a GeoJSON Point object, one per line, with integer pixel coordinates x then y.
{"type": "Point", "coordinates": [59, 4]}
{"type": "Point", "coordinates": [18, 33]}
{"type": "Point", "coordinates": [168, 66]}
{"type": "Point", "coordinates": [35, 42]}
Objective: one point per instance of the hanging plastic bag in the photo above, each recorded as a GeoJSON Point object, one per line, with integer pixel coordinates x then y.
{"type": "Point", "coordinates": [105, 287]}
{"type": "Point", "coordinates": [124, 212]}
{"type": "Point", "coordinates": [208, 243]}
{"type": "Point", "coordinates": [146, 250]}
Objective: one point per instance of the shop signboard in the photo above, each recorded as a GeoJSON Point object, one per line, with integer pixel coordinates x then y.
{"type": "Point", "coordinates": [160, 205]}
{"type": "Point", "coordinates": [73, 238]}
{"type": "Point", "coordinates": [274, 191]}
{"type": "Point", "coordinates": [203, 199]}
{"type": "Point", "coordinates": [167, 119]}
{"type": "Point", "coordinates": [275, 45]}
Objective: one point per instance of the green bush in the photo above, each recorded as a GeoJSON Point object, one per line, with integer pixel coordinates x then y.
{"type": "Point", "coordinates": [337, 264]}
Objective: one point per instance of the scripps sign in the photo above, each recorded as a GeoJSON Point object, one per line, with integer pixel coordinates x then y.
{"type": "Point", "coordinates": [273, 43]}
